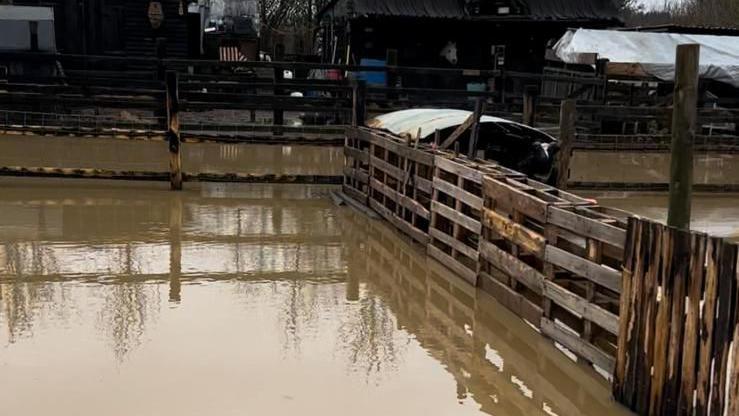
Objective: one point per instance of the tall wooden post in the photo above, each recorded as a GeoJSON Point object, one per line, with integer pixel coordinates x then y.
{"type": "Point", "coordinates": [684, 115]}
{"type": "Point", "coordinates": [173, 132]}
{"type": "Point", "coordinates": [529, 105]}
{"type": "Point", "coordinates": [567, 115]}
{"type": "Point", "coordinates": [359, 102]}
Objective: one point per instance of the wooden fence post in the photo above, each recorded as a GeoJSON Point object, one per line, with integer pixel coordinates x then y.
{"type": "Point", "coordinates": [529, 105]}
{"type": "Point", "coordinates": [173, 132]}
{"type": "Point", "coordinates": [359, 102]}
{"type": "Point", "coordinates": [567, 115]}
{"type": "Point", "coordinates": [684, 114]}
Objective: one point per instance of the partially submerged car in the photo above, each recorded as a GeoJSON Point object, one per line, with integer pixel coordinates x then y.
{"type": "Point", "coordinates": [513, 145]}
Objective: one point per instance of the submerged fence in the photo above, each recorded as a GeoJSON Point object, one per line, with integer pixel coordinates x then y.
{"type": "Point", "coordinates": [609, 288]}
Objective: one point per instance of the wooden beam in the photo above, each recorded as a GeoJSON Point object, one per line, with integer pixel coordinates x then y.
{"type": "Point", "coordinates": [462, 128]}
{"type": "Point", "coordinates": [567, 132]}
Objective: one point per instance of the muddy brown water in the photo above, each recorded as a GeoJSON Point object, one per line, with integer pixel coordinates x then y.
{"type": "Point", "coordinates": [713, 213]}
{"type": "Point", "coordinates": [75, 152]}
{"type": "Point", "coordinates": [124, 298]}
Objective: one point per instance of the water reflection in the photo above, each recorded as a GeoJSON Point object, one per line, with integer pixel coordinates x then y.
{"type": "Point", "coordinates": [223, 289]}
{"type": "Point", "coordinates": [496, 360]}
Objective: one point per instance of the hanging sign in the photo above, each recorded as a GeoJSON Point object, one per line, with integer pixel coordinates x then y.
{"type": "Point", "coordinates": [156, 14]}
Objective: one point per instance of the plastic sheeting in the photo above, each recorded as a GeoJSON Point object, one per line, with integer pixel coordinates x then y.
{"type": "Point", "coordinates": [654, 52]}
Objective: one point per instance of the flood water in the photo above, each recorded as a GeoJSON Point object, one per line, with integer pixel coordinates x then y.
{"type": "Point", "coordinates": [153, 156]}
{"type": "Point", "coordinates": [650, 167]}
{"type": "Point", "coordinates": [127, 299]}
{"type": "Point", "coordinates": [714, 213]}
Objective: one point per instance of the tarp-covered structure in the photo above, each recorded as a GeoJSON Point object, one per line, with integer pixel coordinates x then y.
{"type": "Point", "coordinates": [652, 54]}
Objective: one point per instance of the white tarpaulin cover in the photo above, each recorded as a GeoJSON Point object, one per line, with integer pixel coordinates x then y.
{"type": "Point", "coordinates": [654, 52]}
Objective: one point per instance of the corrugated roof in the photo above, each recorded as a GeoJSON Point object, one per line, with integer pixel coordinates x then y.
{"type": "Point", "coordinates": [532, 9]}
{"type": "Point", "coordinates": [26, 13]}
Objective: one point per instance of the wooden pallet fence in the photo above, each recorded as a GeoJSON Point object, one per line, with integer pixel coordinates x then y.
{"type": "Point", "coordinates": [356, 165]}
{"type": "Point", "coordinates": [400, 182]}
{"type": "Point", "coordinates": [679, 321]}
{"type": "Point", "coordinates": [550, 256]}
{"type": "Point", "coordinates": [456, 209]}
{"type": "Point", "coordinates": [553, 257]}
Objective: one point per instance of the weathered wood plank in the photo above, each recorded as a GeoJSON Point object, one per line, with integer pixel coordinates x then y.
{"type": "Point", "coordinates": [356, 174]}
{"type": "Point", "coordinates": [452, 190]}
{"type": "Point", "coordinates": [456, 217]}
{"type": "Point", "coordinates": [581, 307]}
{"type": "Point", "coordinates": [577, 345]}
{"type": "Point", "coordinates": [626, 327]}
{"type": "Point", "coordinates": [516, 233]}
{"type": "Point", "coordinates": [723, 326]}
{"type": "Point", "coordinates": [458, 169]}
{"type": "Point", "coordinates": [692, 323]}
{"type": "Point", "coordinates": [710, 299]}
{"type": "Point", "coordinates": [680, 272]}
{"type": "Point", "coordinates": [401, 225]}
{"type": "Point", "coordinates": [356, 154]}
{"type": "Point", "coordinates": [594, 272]}
{"type": "Point", "coordinates": [507, 196]}
{"type": "Point", "coordinates": [402, 200]}
{"type": "Point", "coordinates": [452, 242]}
{"type": "Point", "coordinates": [452, 264]}
{"type": "Point", "coordinates": [419, 155]}
{"type": "Point", "coordinates": [587, 227]}
{"type": "Point", "coordinates": [389, 169]}
{"type": "Point", "coordinates": [662, 323]}
{"type": "Point", "coordinates": [512, 266]}
{"type": "Point", "coordinates": [507, 297]}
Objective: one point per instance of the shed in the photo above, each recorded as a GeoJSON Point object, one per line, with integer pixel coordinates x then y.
{"type": "Point", "coordinates": [26, 28]}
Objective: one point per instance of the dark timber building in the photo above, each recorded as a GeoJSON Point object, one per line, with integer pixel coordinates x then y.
{"type": "Point", "coordinates": [512, 34]}
{"type": "Point", "coordinates": [119, 27]}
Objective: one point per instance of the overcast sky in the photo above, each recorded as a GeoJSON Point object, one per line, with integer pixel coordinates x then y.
{"type": "Point", "coordinates": [656, 4]}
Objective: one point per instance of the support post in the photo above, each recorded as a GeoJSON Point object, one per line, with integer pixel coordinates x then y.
{"type": "Point", "coordinates": [359, 102]}
{"type": "Point", "coordinates": [173, 132]}
{"type": "Point", "coordinates": [684, 115]}
{"type": "Point", "coordinates": [567, 115]}
{"type": "Point", "coordinates": [529, 104]}
{"type": "Point", "coordinates": [475, 129]}
{"type": "Point", "coordinates": [278, 115]}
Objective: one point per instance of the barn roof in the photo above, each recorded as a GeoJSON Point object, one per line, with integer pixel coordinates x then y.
{"type": "Point", "coordinates": [557, 10]}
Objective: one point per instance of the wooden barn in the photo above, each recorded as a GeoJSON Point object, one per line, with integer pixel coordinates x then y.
{"type": "Point", "coordinates": [120, 27]}
{"type": "Point", "coordinates": [494, 34]}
